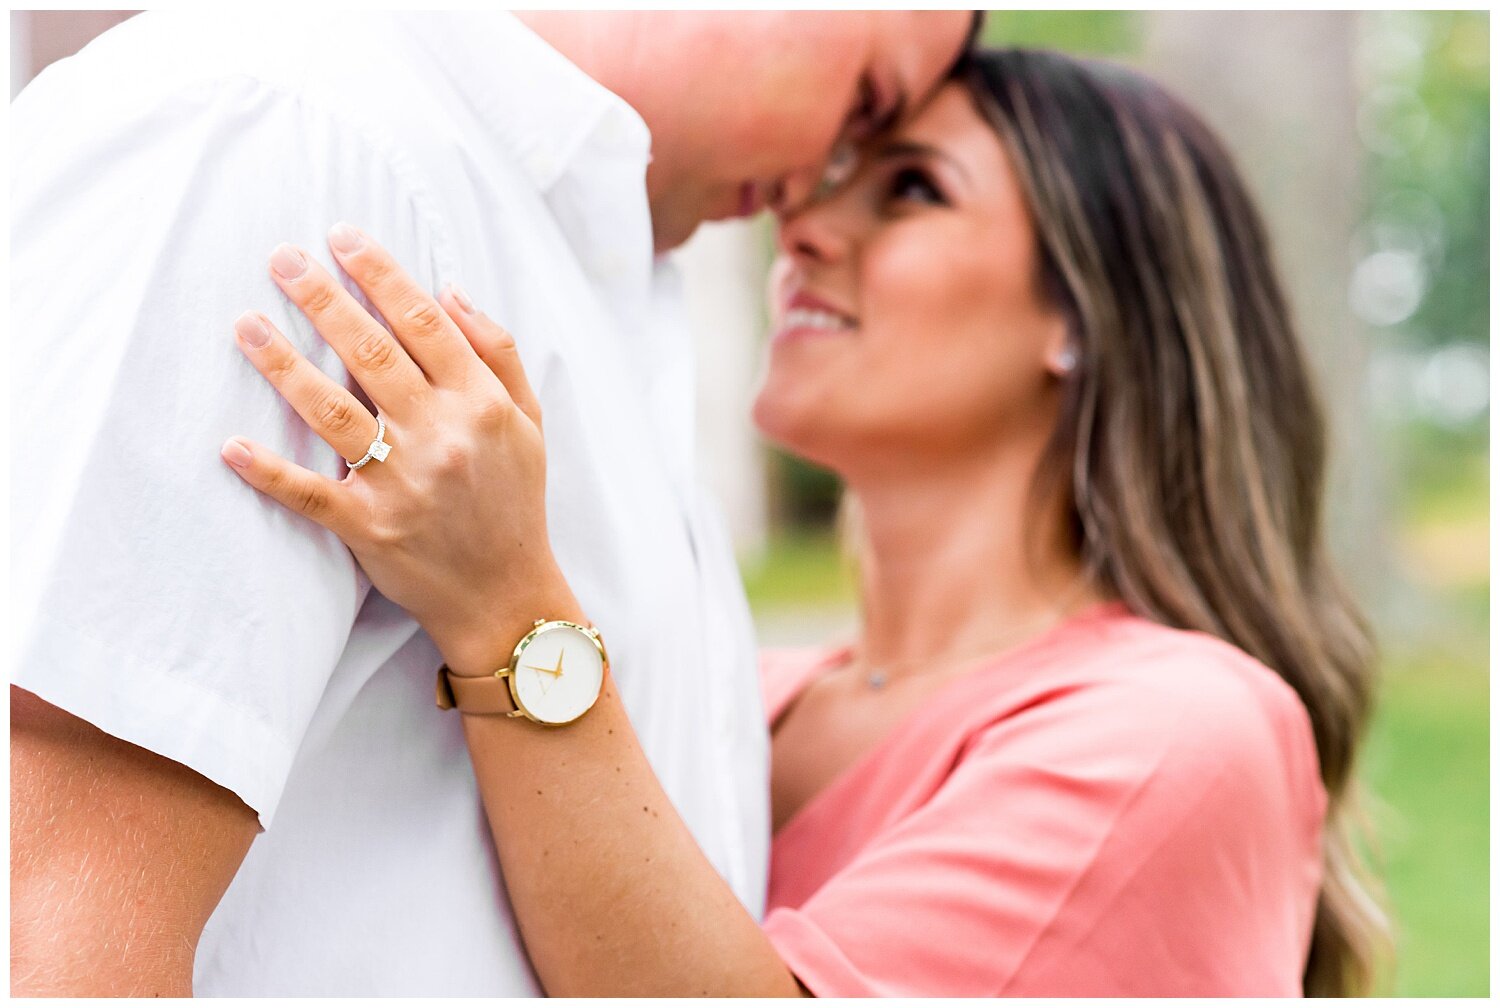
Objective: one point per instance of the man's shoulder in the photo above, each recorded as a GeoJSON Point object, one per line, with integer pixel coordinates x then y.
{"type": "Point", "coordinates": [383, 89]}
{"type": "Point", "coordinates": [353, 72]}
{"type": "Point", "coordinates": [160, 52]}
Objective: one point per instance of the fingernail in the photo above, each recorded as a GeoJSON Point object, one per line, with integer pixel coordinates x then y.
{"type": "Point", "coordinates": [345, 239]}
{"type": "Point", "coordinates": [288, 262]}
{"type": "Point", "coordinates": [235, 453]}
{"type": "Point", "coordinates": [252, 330]}
{"type": "Point", "coordinates": [461, 298]}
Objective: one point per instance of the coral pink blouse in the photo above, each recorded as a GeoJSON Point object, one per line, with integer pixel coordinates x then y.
{"type": "Point", "coordinates": [1115, 808]}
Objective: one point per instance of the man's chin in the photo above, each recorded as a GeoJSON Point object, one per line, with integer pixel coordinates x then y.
{"type": "Point", "coordinates": [670, 234]}
{"type": "Point", "coordinates": [673, 226]}
{"type": "Point", "coordinates": [672, 239]}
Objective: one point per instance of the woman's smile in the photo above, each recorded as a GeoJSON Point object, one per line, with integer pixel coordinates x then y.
{"type": "Point", "coordinates": [808, 316]}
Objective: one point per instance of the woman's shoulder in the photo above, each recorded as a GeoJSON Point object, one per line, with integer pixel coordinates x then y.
{"type": "Point", "coordinates": [1111, 658]}
{"type": "Point", "coordinates": [1201, 707]}
{"type": "Point", "coordinates": [1149, 663]}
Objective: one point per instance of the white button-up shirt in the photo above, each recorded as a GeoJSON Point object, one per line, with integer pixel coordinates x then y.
{"type": "Point", "coordinates": [163, 600]}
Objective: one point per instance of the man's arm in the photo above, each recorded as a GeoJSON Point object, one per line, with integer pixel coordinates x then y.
{"type": "Point", "coordinates": [117, 858]}
{"type": "Point", "coordinates": [156, 196]}
{"type": "Point", "coordinates": [157, 599]}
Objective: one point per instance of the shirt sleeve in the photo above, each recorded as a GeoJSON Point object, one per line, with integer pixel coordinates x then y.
{"type": "Point", "coordinates": [1119, 840]}
{"type": "Point", "coordinates": [157, 595]}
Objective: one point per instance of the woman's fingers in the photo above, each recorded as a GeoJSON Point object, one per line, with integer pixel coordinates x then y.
{"type": "Point", "coordinates": [422, 326]}
{"type": "Point", "coordinates": [373, 355]}
{"type": "Point", "coordinates": [331, 410]}
{"type": "Point", "coordinates": [495, 346]}
{"type": "Point", "coordinates": [328, 502]}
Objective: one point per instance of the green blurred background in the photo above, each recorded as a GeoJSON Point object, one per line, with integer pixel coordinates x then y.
{"type": "Point", "coordinates": [1389, 265]}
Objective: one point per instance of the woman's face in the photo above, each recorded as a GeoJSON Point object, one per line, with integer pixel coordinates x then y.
{"type": "Point", "coordinates": [781, 88]}
{"type": "Point", "coordinates": [908, 320]}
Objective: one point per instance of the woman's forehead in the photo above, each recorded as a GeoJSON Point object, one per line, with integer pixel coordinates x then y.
{"type": "Point", "coordinates": [949, 123]}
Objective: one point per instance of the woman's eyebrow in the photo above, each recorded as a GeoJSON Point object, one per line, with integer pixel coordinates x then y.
{"type": "Point", "coordinates": [909, 148]}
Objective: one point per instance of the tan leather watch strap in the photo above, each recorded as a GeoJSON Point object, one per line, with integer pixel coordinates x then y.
{"type": "Point", "coordinates": [474, 694]}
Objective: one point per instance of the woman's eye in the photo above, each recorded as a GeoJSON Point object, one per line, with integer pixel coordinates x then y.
{"type": "Point", "coordinates": [916, 185]}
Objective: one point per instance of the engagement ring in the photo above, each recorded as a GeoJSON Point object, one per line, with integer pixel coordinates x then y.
{"type": "Point", "coordinates": [378, 448]}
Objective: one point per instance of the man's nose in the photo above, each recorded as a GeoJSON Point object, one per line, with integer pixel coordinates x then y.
{"type": "Point", "coordinates": [795, 191]}
{"type": "Point", "coordinates": [801, 187]}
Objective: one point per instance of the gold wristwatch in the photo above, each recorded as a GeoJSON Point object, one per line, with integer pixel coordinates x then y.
{"type": "Point", "coordinates": [554, 676]}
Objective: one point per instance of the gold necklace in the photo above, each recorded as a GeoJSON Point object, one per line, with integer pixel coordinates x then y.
{"type": "Point", "coordinates": [878, 676]}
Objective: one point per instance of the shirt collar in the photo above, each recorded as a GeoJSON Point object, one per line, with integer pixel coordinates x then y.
{"type": "Point", "coordinates": [541, 106]}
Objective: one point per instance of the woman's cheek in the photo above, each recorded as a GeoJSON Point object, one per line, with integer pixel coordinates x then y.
{"type": "Point", "coordinates": [915, 288]}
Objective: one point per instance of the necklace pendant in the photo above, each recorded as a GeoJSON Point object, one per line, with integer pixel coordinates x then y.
{"type": "Point", "coordinates": [876, 679]}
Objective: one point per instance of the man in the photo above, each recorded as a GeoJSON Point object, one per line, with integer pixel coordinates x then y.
{"type": "Point", "coordinates": [195, 662]}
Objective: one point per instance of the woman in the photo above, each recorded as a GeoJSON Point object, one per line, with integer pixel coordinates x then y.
{"type": "Point", "coordinates": [1095, 736]}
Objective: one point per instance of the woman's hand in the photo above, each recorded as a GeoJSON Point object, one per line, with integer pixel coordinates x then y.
{"type": "Point", "coordinates": [452, 525]}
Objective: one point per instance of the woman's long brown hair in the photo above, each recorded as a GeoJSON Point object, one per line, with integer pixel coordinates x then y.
{"type": "Point", "coordinates": [1191, 446]}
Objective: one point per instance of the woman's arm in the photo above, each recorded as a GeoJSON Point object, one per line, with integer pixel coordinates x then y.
{"type": "Point", "coordinates": [612, 894]}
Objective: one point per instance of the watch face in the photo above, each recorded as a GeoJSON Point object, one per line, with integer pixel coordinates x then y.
{"type": "Point", "coordinates": [559, 674]}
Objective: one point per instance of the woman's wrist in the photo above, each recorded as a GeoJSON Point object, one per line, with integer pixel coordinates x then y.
{"type": "Point", "coordinates": [483, 642]}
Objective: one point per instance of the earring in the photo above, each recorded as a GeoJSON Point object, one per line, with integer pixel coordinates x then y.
{"type": "Point", "coordinates": [1067, 359]}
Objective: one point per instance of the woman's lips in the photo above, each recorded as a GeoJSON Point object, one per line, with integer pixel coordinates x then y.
{"type": "Point", "coordinates": [806, 315]}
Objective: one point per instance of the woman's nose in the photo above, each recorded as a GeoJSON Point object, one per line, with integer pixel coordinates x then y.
{"type": "Point", "coordinates": [818, 230]}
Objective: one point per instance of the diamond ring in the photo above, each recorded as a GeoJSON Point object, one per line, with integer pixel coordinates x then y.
{"type": "Point", "coordinates": [378, 448]}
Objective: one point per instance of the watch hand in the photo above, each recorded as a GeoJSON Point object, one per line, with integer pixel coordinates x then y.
{"type": "Point", "coordinates": [554, 672]}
